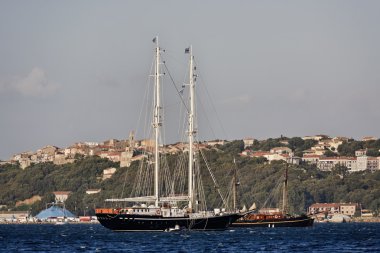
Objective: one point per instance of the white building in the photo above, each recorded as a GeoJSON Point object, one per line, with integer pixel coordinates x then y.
{"type": "Point", "coordinates": [61, 196]}
{"type": "Point", "coordinates": [107, 173]}
{"type": "Point", "coordinates": [367, 163]}
{"type": "Point", "coordinates": [360, 152]}
{"type": "Point", "coordinates": [93, 191]}
{"type": "Point", "coordinates": [248, 142]}
{"type": "Point", "coordinates": [333, 208]}
{"type": "Point", "coordinates": [353, 164]}
{"type": "Point", "coordinates": [369, 138]}
{"type": "Point", "coordinates": [328, 163]}
{"type": "Point", "coordinates": [312, 159]}
{"type": "Point", "coordinates": [275, 156]}
{"type": "Point", "coordinates": [315, 137]}
{"type": "Point", "coordinates": [281, 150]}
{"type": "Point", "coordinates": [216, 142]}
{"type": "Point", "coordinates": [125, 158]}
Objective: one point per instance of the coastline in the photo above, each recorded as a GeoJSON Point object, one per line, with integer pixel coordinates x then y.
{"type": "Point", "coordinates": [353, 220]}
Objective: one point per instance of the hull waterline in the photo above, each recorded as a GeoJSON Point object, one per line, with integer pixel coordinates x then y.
{"type": "Point", "coordinates": [285, 222]}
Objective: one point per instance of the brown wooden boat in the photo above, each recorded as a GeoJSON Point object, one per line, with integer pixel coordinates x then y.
{"type": "Point", "coordinates": [273, 220]}
{"type": "Point", "coordinates": [275, 217]}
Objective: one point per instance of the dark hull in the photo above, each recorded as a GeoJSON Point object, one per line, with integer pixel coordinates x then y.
{"type": "Point", "coordinates": [302, 221]}
{"type": "Point", "coordinates": [129, 222]}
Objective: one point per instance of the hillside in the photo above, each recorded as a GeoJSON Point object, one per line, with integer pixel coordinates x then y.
{"type": "Point", "coordinates": [258, 180]}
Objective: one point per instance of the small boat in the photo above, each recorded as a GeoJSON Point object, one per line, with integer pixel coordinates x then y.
{"type": "Point", "coordinates": [167, 201]}
{"type": "Point", "coordinates": [176, 228]}
{"type": "Point", "coordinates": [61, 222]}
{"type": "Point", "coordinates": [275, 217]}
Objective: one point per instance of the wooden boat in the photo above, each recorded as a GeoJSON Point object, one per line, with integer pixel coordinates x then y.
{"type": "Point", "coordinates": [275, 218]}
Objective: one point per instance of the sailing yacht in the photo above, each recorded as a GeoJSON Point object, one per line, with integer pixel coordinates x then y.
{"type": "Point", "coordinates": [275, 219]}
{"type": "Point", "coordinates": [159, 212]}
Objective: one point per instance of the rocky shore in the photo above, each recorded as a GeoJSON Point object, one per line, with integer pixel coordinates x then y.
{"type": "Point", "coordinates": [366, 219]}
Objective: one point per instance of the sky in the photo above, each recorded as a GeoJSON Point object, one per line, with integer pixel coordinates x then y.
{"type": "Point", "coordinates": [74, 71]}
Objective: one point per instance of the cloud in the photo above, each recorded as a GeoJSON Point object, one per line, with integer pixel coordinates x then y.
{"type": "Point", "coordinates": [35, 84]}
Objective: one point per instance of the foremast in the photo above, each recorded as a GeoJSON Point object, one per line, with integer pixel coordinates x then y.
{"type": "Point", "coordinates": [191, 130]}
{"type": "Point", "coordinates": [285, 193]}
{"type": "Point", "coordinates": [156, 124]}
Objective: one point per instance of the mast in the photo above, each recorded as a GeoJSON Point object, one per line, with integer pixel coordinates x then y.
{"type": "Point", "coordinates": [235, 184]}
{"type": "Point", "coordinates": [191, 132]}
{"type": "Point", "coordinates": [285, 193]}
{"type": "Point", "coordinates": [156, 123]}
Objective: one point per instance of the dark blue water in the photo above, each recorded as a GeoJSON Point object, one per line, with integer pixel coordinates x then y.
{"type": "Point", "coordinates": [350, 237]}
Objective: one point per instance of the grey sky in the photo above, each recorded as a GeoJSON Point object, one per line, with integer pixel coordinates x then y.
{"type": "Point", "coordinates": [76, 70]}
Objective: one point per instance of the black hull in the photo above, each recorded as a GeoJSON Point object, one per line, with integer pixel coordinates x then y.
{"type": "Point", "coordinates": [129, 222]}
{"type": "Point", "coordinates": [285, 222]}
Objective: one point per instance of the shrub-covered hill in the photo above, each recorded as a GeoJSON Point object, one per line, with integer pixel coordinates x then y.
{"type": "Point", "coordinates": [259, 183]}
{"type": "Point", "coordinates": [44, 178]}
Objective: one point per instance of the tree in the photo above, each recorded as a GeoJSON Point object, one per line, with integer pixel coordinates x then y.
{"type": "Point", "coordinates": [234, 147]}
{"type": "Point", "coordinates": [340, 170]}
{"type": "Point", "coordinates": [260, 160]}
{"type": "Point", "coordinates": [295, 142]}
{"type": "Point", "coordinates": [329, 153]}
{"type": "Point", "coordinates": [372, 152]}
{"type": "Point", "coordinates": [348, 148]}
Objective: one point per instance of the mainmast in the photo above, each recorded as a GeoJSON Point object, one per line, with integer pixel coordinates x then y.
{"type": "Point", "coordinates": [191, 130]}
{"type": "Point", "coordinates": [156, 122]}
{"type": "Point", "coordinates": [285, 193]}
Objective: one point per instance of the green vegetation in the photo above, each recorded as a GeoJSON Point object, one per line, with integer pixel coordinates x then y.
{"type": "Point", "coordinates": [267, 145]}
{"type": "Point", "coordinates": [44, 178]}
{"type": "Point", "coordinates": [296, 144]}
{"type": "Point", "coordinates": [348, 148]}
{"type": "Point", "coordinates": [259, 181]}
{"type": "Point", "coordinates": [329, 153]}
{"type": "Point", "coordinates": [308, 185]}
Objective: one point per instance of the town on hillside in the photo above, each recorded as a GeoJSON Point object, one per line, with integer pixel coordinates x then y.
{"type": "Point", "coordinates": [123, 151]}
{"type": "Point", "coordinates": [323, 152]}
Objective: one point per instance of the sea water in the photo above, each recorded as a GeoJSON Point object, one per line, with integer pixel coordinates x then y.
{"type": "Point", "coordinates": [348, 237]}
